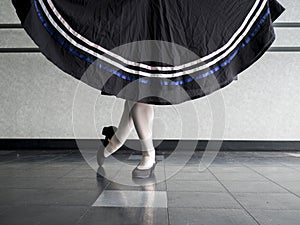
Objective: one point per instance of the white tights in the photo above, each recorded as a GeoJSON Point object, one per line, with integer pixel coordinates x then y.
{"type": "Point", "coordinates": [140, 116]}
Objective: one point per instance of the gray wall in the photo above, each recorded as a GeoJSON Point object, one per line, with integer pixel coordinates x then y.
{"type": "Point", "coordinates": [36, 98]}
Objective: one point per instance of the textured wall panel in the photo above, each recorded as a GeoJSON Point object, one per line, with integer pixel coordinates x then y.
{"type": "Point", "coordinates": [36, 101]}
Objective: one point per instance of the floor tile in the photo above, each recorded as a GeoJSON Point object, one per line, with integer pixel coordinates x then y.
{"type": "Point", "coordinates": [14, 196]}
{"type": "Point", "coordinates": [125, 216]}
{"type": "Point", "coordinates": [253, 186]}
{"type": "Point", "coordinates": [278, 217]}
{"type": "Point", "coordinates": [139, 157]}
{"type": "Point", "coordinates": [201, 200]}
{"type": "Point", "coordinates": [238, 176]}
{"type": "Point", "coordinates": [268, 200]}
{"type": "Point", "coordinates": [68, 183]}
{"type": "Point", "coordinates": [274, 169]}
{"type": "Point", "coordinates": [116, 198]}
{"type": "Point", "coordinates": [81, 173]}
{"type": "Point", "coordinates": [230, 169]}
{"type": "Point", "coordinates": [4, 208]}
{"type": "Point", "coordinates": [195, 185]}
{"type": "Point", "coordinates": [194, 216]}
{"type": "Point", "coordinates": [34, 173]}
{"type": "Point", "coordinates": [205, 175]}
{"type": "Point", "coordinates": [282, 177]}
{"type": "Point", "coordinates": [293, 186]}
{"type": "Point", "coordinates": [42, 187]}
{"type": "Point", "coordinates": [161, 186]}
{"type": "Point", "coordinates": [45, 215]}
{"type": "Point", "coordinates": [27, 182]}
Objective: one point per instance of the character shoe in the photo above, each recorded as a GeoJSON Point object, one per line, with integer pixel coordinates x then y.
{"type": "Point", "coordinates": [146, 173]}
{"type": "Point", "coordinates": [108, 132]}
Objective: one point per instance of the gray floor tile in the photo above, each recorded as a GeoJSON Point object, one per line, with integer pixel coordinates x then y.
{"type": "Point", "coordinates": [34, 173]}
{"type": "Point", "coordinates": [253, 186]}
{"type": "Point", "coordinates": [205, 175]}
{"type": "Point", "coordinates": [47, 197]}
{"type": "Point", "coordinates": [42, 187]}
{"type": "Point", "coordinates": [139, 157]}
{"type": "Point", "coordinates": [77, 184]}
{"type": "Point", "coordinates": [294, 165]}
{"type": "Point", "coordinates": [195, 185]}
{"type": "Point", "coordinates": [274, 169]}
{"type": "Point", "coordinates": [72, 158]}
{"type": "Point", "coordinates": [143, 186]}
{"type": "Point", "coordinates": [81, 173]}
{"type": "Point", "coordinates": [221, 165]}
{"type": "Point", "coordinates": [201, 200]}
{"type": "Point", "coordinates": [12, 165]}
{"type": "Point", "coordinates": [117, 198]}
{"type": "Point", "coordinates": [7, 158]}
{"type": "Point", "coordinates": [268, 200]}
{"type": "Point", "coordinates": [276, 217]}
{"type": "Point", "coordinates": [194, 216]}
{"type": "Point", "coordinates": [282, 177]}
{"type": "Point", "coordinates": [4, 208]}
{"type": "Point", "coordinates": [261, 162]}
{"type": "Point", "coordinates": [181, 159]}
{"type": "Point", "coordinates": [239, 176]}
{"type": "Point", "coordinates": [293, 186]}
{"type": "Point", "coordinates": [125, 216]}
{"type": "Point", "coordinates": [45, 215]}
{"type": "Point", "coordinates": [187, 168]}
{"type": "Point", "coordinates": [194, 168]}
{"type": "Point", "coordinates": [129, 183]}
{"type": "Point", "coordinates": [27, 182]}
{"type": "Point", "coordinates": [50, 166]}
{"type": "Point", "coordinates": [230, 169]}
{"type": "Point", "coordinates": [35, 158]}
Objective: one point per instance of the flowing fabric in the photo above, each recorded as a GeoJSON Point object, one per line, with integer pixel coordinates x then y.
{"type": "Point", "coordinates": [152, 51]}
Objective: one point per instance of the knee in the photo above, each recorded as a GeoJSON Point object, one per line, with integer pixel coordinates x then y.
{"type": "Point", "coordinates": [143, 109]}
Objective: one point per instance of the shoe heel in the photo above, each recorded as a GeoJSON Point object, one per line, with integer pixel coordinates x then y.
{"type": "Point", "coordinates": [109, 131]}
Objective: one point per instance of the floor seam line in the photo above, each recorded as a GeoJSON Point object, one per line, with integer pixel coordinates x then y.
{"type": "Point", "coordinates": [234, 197]}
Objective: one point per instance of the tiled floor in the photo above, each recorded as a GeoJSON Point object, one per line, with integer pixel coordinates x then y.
{"type": "Point", "coordinates": [60, 188]}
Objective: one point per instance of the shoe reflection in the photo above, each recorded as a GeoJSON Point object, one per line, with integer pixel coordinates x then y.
{"type": "Point", "coordinates": [147, 184]}
{"type": "Point", "coordinates": [143, 195]}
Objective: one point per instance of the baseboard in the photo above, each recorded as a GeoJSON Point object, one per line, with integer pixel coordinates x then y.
{"type": "Point", "coordinates": [162, 145]}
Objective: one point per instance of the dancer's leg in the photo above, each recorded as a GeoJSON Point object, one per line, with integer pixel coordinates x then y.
{"type": "Point", "coordinates": [143, 115]}
{"type": "Point", "coordinates": [125, 127]}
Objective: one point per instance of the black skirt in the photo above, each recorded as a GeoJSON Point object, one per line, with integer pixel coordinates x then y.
{"type": "Point", "coordinates": [152, 51]}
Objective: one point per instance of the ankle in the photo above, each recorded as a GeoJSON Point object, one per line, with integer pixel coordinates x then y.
{"type": "Point", "coordinates": [149, 154]}
{"type": "Point", "coordinates": [146, 162]}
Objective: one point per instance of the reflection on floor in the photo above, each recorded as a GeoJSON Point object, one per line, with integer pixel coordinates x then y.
{"type": "Point", "coordinates": [47, 187]}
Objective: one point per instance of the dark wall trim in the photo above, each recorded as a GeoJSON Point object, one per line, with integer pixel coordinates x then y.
{"type": "Point", "coordinates": [162, 145]}
{"type": "Point", "coordinates": [19, 50]}
{"type": "Point", "coordinates": [10, 26]}
{"type": "Point", "coordinates": [284, 49]}
{"type": "Point", "coordinates": [287, 24]}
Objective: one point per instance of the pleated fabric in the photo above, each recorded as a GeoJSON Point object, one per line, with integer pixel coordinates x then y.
{"type": "Point", "coordinates": [106, 44]}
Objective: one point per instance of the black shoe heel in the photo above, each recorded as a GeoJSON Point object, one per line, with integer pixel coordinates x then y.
{"type": "Point", "coordinates": [108, 132]}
